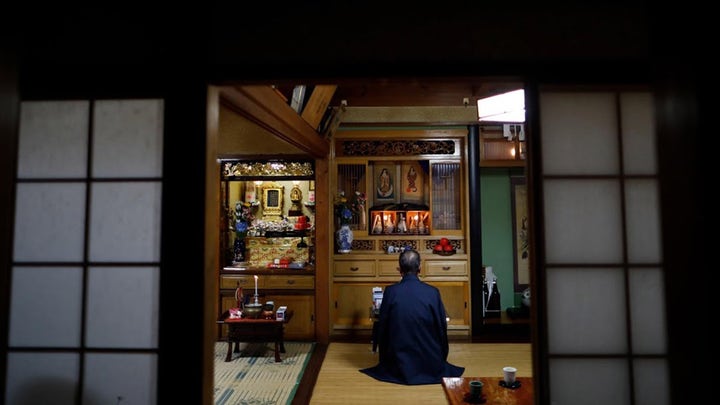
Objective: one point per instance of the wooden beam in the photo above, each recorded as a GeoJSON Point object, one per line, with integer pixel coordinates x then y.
{"type": "Point", "coordinates": [323, 251]}
{"type": "Point", "coordinates": [317, 105]}
{"type": "Point", "coordinates": [262, 105]}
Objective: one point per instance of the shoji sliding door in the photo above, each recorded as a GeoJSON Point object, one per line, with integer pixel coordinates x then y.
{"type": "Point", "coordinates": [84, 299]}
{"type": "Point", "coordinates": [601, 276]}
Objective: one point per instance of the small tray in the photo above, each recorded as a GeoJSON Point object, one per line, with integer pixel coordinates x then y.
{"type": "Point", "coordinates": [512, 386]}
{"type": "Point", "coordinates": [444, 253]}
{"type": "Point", "coordinates": [474, 400]}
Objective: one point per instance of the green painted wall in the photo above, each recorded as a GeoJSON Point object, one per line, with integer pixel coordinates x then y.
{"type": "Point", "coordinates": [496, 230]}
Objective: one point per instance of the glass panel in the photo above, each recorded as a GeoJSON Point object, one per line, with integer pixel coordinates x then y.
{"type": "Point", "coordinates": [583, 222]}
{"type": "Point", "coordinates": [446, 196]}
{"type": "Point", "coordinates": [120, 379]}
{"type": "Point", "coordinates": [42, 378]}
{"type": "Point", "coordinates": [49, 222]}
{"type": "Point", "coordinates": [122, 307]}
{"type": "Point", "coordinates": [638, 133]}
{"type": "Point", "coordinates": [499, 149]}
{"type": "Point", "coordinates": [586, 311]}
{"type": "Point", "coordinates": [651, 382]}
{"type": "Point", "coordinates": [128, 138]}
{"type": "Point", "coordinates": [502, 142]}
{"type": "Point", "coordinates": [125, 222]}
{"type": "Point", "coordinates": [643, 221]}
{"type": "Point", "coordinates": [647, 309]}
{"type": "Point", "coordinates": [50, 297]}
{"type": "Point", "coordinates": [589, 382]}
{"type": "Point", "coordinates": [579, 133]}
{"type": "Point", "coordinates": [53, 139]}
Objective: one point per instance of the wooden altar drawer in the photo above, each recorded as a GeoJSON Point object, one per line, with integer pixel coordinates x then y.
{"type": "Point", "coordinates": [290, 282]}
{"type": "Point", "coordinates": [245, 281]}
{"type": "Point", "coordinates": [354, 268]}
{"type": "Point", "coordinates": [445, 268]}
{"type": "Point", "coordinates": [389, 268]}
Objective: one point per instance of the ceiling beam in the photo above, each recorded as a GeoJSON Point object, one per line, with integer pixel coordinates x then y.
{"type": "Point", "coordinates": [262, 105]}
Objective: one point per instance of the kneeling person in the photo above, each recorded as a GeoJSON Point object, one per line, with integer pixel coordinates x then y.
{"type": "Point", "coordinates": [412, 331]}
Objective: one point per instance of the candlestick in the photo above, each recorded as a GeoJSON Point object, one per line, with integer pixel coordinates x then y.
{"type": "Point", "coordinates": [256, 277]}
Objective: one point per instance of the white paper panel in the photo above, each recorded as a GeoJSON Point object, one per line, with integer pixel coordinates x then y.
{"type": "Point", "coordinates": [651, 382]}
{"type": "Point", "coordinates": [122, 307]}
{"type": "Point", "coordinates": [42, 378]}
{"type": "Point", "coordinates": [128, 138]}
{"type": "Point", "coordinates": [589, 382]}
{"type": "Point", "coordinates": [128, 377]}
{"type": "Point", "coordinates": [647, 308]}
{"type": "Point", "coordinates": [643, 221]}
{"type": "Point", "coordinates": [582, 221]}
{"type": "Point", "coordinates": [53, 139]}
{"type": "Point", "coordinates": [45, 306]}
{"type": "Point", "coordinates": [579, 133]}
{"type": "Point", "coordinates": [125, 222]}
{"type": "Point", "coordinates": [586, 311]}
{"type": "Point", "coordinates": [49, 222]}
{"type": "Point", "coordinates": [638, 133]}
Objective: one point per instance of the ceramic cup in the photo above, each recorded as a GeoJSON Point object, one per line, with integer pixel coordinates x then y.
{"type": "Point", "coordinates": [509, 375]}
{"type": "Point", "coordinates": [476, 389]}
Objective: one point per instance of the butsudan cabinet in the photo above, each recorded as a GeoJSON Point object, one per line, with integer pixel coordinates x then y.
{"type": "Point", "coordinates": [405, 188]}
{"type": "Point", "coordinates": [267, 231]}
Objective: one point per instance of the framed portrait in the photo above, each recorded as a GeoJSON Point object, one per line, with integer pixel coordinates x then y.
{"type": "Point", "coordinates": [412, 182]}
{"type": "Point", "coordinates": [521, 249]}
{"type": "Point", "coordinates": [384, 183]}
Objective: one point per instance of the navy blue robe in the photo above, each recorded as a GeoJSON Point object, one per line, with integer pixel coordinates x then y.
{"type": "Point", "coordinates": [412, 335]}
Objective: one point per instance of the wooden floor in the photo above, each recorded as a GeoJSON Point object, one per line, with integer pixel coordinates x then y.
{"type": "Point", "coordinates": [333, 376]}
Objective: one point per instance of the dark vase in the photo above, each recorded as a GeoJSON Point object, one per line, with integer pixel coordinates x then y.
{"type": "Point", "coordinates": [239, 250]}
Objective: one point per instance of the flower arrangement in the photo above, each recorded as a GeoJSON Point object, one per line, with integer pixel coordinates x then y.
{"type": "Point", "coordinates": [345, 208]}
{"type": "Point", "coordinates": [243, 218]}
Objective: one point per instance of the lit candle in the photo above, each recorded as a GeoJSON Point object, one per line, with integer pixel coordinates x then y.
{"type": "Point", "coordinates": [255, 285]}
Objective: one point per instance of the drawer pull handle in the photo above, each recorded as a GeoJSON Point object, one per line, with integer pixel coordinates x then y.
{"type": "Point", "coordinates": [291, 281]}
{"type": "Point", "coordinates": [354, 268]}
{"type": "Point", "coordinates": [446, 268]}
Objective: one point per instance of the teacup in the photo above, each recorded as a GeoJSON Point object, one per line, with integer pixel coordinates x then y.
{"type": "Point", "coordinates": [509, 375]}
{"type": "Point", "coordinates": [476, 387]}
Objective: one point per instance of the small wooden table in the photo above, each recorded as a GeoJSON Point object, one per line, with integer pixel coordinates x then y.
{"type": "Point", "coordinates": [457, 387]}
{"type": "Point", "coordinates": [255, 330]}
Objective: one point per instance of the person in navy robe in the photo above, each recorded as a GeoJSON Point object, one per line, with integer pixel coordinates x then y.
{"type": "Point", "coordinates": [411, 331]}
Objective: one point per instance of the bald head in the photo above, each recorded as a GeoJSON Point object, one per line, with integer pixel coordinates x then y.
{"type": "Point", "coordinates": [409, 262]}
